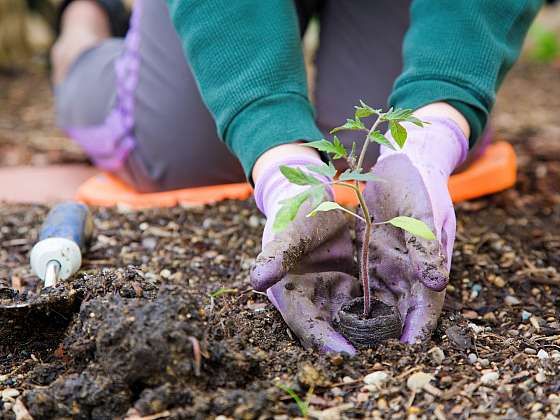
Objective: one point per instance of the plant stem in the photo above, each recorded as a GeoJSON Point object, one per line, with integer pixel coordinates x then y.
{"type": "Point", "coordinates": [364, 272]}
{"type": "Point", "coordinates": [364, 259]}
{"type": "Point", "coordinates": [365, 146]}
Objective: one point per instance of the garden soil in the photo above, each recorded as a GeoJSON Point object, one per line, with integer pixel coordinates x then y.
{"type": "Point", "coordinates": [162, 322]}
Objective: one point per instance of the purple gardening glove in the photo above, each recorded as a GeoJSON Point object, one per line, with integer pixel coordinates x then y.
{"type": "Point", "coordinates": [405, 271]}
{"type": "Point", "coordinates": [307, 270]}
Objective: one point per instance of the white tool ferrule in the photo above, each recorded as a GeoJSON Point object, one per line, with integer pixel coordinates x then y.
{"type": "Point", "coordinates": [63, 250]}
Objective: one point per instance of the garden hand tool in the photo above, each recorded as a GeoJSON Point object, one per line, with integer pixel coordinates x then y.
{"type": "Point", "coordinates": [307, 270]}
{"type": "Point", "coordinates": [406, 271]}
{"type": "Point", "coordinates": [56, 256]}
{"type": "Point", "coordinates": [63, 236]}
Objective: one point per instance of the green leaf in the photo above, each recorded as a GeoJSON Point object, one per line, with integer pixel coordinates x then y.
{"type": "Point", "coordinates": [349, 175]}
{"type": "Point", "coordinates": [335, 148]}
{"type": "Point", "coordinates": [398, 114]}
{"type": "Point", "coordinates": [325, 170]}
{"type": "Point", "coordinates": [326, 206]}
{"type": "Point", "coordinates": [297, 176]}
{"type": "Point", "coordinates": [303, 406]}
{"type": "Point", "coordinates": [288, 211]}
{"type": "Point", "coordinates": [377, 137]}
{"type": "Point", "coordinates": [398, 132]}
{"type": "Point", "coordinates": [317, 194]}
{"type": "Point", "coordinates": [415, 121]}
{"type": "Point", "coordinates": [352, 125]}
{"type": "Point", "coordinates": [364, 110]}
{"type": "Point", "coordinates": [414, 226]}
{"type": "Point", "coordinates": [222, 291]}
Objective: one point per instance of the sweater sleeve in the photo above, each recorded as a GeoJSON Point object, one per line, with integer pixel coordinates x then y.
{"type": "Point", "coordinates": [459, 51]}
{"type": "Point", "coordinates": [247, 59]}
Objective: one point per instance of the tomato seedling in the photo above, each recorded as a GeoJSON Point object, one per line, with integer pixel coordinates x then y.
{"type": "Point", "coordinates": [351, 178]}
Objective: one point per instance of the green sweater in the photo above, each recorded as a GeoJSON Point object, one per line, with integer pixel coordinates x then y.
{"type": "Point", "coordinates": [247, 58]}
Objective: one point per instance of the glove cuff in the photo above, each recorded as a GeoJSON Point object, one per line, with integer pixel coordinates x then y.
{"type": "Point", "coordinates": [441, 143]}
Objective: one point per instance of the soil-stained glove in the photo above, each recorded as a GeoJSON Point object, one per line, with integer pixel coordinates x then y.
{"type": "Point", "coordinates": [405, 271]}
{"type": "Point", "coordinates": [308, 269]}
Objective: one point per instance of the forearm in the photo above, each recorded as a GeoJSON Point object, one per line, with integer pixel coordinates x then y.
{"type": "Point", "coordinates": [460, 52]}
{"type": "Point", "coordinates": [247, 59]}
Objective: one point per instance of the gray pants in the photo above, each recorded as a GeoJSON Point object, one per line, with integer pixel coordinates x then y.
{"type": "Point", "coordinates": [144, 119]}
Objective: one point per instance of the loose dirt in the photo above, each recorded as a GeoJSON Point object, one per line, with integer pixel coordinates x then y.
{"type": "Point", "coordinates": [162, 321]}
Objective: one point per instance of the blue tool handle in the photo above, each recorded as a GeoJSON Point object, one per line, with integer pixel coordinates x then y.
{"type": "Point", "coordinates": [70, 221]}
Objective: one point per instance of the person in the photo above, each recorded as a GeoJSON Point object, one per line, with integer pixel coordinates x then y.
{"type": "Point", "coordinates": [152, 107]}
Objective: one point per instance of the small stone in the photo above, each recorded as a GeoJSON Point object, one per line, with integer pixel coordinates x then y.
{"type": "Point", "coordinates": [437, 355]}
{"type": "Point", "coordinates": [512, 300]}
{"type": "Point", "coordinates": [472, 358]}
{"type": "Point", "coordinates": [459, 337]}
{"type": "Point", "coordinates": [529, 350]}
{"type": "Point", "coordinates": [9, 394]}
{"type": "Point", "coordinates": [484, 362]}
{"type": "Point", "coordinates": [468, 314]}
{"type": "Point", "coordinates": [337, 360]}
{"type": "Point", "coordinates": [376, 378]}
{"type": "Point", "coordinates": [382, 404]}
{"type": "Point", "coordinates": [362, 397]}
{"type": "Point", "coordinates": [536, 407]}
{"type": "Point", "coordinates": [489, 378]}
{"type": "Point", "coordinates": [489, 317]}
{"type": "Point", "coordinates": [348, 380]}
{"type": "Point", "coordinates": [475, 290]}
{"type": "Point", "coordinates": [149, 243]}
{"type": "Point", "coordinates": [418, 380]}
{"type": "Point", "coordinates": [165, 273]}
{"type": "Point", "coordinates": [525, 315]}
{"type": "Point", "coordinates": [254, 221]}
{"type": "Point", "coordinates": [540, 377]}
{"type": "Point", "coordinates": [338, 392]}
{"type": "Point", "coordinates": [499, 282]}
{"type": "Point", "coordinates": [542, 354]}
{"type": "Point", "coordinates": [477, 329]}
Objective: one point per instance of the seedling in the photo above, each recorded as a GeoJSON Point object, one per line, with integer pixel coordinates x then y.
{"type": "Point", "coordinates": [351, 178]}
{"type": "Point", "coordinates": [302, 405]}
{"type": "Point", "coordinates": [221, 291]}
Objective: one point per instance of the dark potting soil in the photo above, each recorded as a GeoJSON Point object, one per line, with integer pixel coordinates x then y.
{"type": "Point", "coordinates": [382, 323]}
{"type": "Point", "coordinates": [151, 330]}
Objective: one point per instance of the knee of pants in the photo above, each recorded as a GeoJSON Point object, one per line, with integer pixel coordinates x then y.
{"type": "Point", "coordinates": [88, 93]}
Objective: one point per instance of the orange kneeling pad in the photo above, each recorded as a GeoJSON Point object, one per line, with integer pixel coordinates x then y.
{"type": "Point", "coordinates": [493, 171]}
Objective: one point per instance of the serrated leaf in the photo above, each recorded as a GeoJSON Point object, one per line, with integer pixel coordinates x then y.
{"type": "Point", "coordinates": [364, 110]}
{"type": "Point", "coordinates": [297, 176]}
{"type": "Point", "coordinates": [326, 206]}
{"type": "Point", "coordinates": [401, 115]}
{"type": "Point", "coordinates": [335, 148]}
{"type": "Point", "coordinates": [288, 211]}
{"type": "Point", "coordinates": [398, 114]}
{"type": "Point", "coordinates": [415, 121]}
{"type": "Point", "coordinates": [317, 194]}
{"type": "Point", "coordinates": [325, 170]}
{"type": "Point", "coordinates": [352, 125]}
{"type": "Point", "coordinates": [398, 132]}
{"type": "Point", "coordinates": [413, 226]}
{"type": "Point", "coordinates": [379, 138]}
{"type": "Point", "coordinates": [350, 175]}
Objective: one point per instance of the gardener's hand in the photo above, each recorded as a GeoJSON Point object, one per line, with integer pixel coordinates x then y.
{"type": "Point", "coordinates": [409, 272]}
{"type": "Point", "coordinates": [307, 270]}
